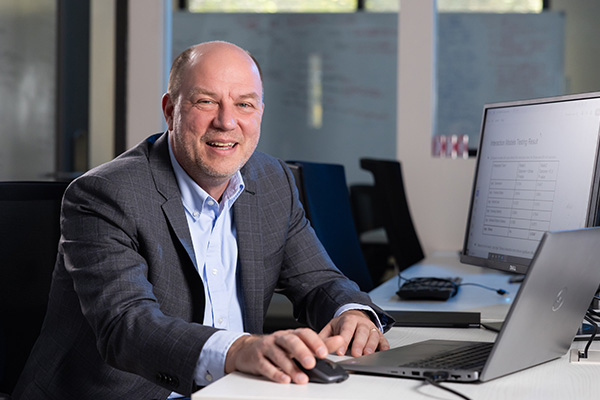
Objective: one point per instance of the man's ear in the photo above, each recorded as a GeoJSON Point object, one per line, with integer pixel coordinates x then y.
{"type": "Point", "coordinates": [167, 107]}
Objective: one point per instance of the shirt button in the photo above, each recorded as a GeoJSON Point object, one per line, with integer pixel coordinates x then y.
{"type": "Point", "coordinates": [208, 377]}
{"type": "Point", "coordinates": [215, 271]}
{"type": "Point", "coordinates": [196, 214]}
{"type": "Point", "coordinates": [220, 320]}
{"type": "Point", "coordinates": [210, 202]}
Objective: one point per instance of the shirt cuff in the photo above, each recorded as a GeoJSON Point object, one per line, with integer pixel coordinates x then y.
{"type": "Point", "coordinates": [362, 307]}
{"type": "Point", "coordinates": [211, 363]}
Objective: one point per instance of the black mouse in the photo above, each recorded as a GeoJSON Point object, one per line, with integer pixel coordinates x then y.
{"type": "Point", "coordinates": [325, 371]}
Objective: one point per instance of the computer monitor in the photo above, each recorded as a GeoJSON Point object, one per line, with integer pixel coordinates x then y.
{"type": "Point", "coordinates": [537, 170]}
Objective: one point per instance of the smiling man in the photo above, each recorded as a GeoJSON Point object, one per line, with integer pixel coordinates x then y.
{"type": "Point", "coordinates": [170, 255]}
{"type": "Point", "coordinates": [213, 109]}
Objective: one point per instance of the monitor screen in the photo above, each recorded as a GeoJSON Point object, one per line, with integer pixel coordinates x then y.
{"type": "Point", "coordinates": [537, 170]}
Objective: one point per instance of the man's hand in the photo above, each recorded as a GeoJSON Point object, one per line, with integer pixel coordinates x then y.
{"type": "Point", "coordinates": [271, 355]}
{"type": "Point", "coordinates": [355, 327]}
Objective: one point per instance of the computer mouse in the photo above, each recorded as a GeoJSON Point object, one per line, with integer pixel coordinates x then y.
{"type": "Point", "coordinates": [325, 371]}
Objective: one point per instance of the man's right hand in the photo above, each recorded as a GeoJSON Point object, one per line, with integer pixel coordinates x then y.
{"type": "Point", "coordinates": [271, 355]}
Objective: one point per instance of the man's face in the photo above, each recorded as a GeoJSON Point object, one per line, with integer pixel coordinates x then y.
{"type": "Point", "coordinates": [215, 118]}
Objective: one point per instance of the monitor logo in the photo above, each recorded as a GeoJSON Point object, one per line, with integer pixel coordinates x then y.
{"type": "Point", "coordinates": [512, 268]}
{"type": "Point", "coordinates": [560, 299]}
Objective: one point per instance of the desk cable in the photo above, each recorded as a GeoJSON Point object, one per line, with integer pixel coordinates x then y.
{"type": "Point", "coordinates": [593, 317]}
{"type": "Point", "coordinates": [434, 378]}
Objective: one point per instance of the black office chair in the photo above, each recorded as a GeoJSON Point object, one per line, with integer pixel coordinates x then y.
{"type": "Point", "coordinates": [367, 216]}
{"type": "Point", "coordinates": [391, 200]}
{"type": "Point", "coordinates": [326, 200]}
{"type": "Point", "coordinates": [369, 219]}
{"type": "Point", "coordinates": [29, 234]}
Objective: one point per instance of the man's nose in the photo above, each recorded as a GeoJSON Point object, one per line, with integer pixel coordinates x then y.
{"type": "Point", "coordinates": [225, 118]}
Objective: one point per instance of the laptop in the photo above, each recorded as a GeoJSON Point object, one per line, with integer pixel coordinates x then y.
{"type": "Point", "coordinates": [540, 326]}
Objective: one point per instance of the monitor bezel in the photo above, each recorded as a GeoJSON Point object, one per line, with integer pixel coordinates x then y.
{"type": "Point", "coordinates": [517, 265]}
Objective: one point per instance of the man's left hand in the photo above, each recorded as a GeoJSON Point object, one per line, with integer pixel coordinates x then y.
{"type": "Point", "coordinates": [356, 327]}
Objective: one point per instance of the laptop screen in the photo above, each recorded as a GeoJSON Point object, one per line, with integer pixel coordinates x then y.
{"type": "Point", "coordinates": [537, 170]}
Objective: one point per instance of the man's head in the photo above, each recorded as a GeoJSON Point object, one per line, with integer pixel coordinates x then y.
{"type": "Point", "coordinates": [213, 109]}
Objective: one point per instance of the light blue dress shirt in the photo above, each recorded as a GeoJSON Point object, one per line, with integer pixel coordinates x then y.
{"type": "Point", "coordinates": [213, 233]}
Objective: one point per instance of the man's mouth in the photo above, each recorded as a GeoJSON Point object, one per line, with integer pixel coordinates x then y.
{"type": "Point", "coordinates": [222, 145]}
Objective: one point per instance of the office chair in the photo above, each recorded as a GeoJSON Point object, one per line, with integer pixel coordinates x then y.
{"type": "Point", "coordinates": [29, 234]}
{"type": "Point", "coordinates": [297, 173]}
{"type": "Point", "coordinates": [367, 216]}
{"type": "Point", "coordinates": [369, 219]}
{"type": "Point", "coordinates": [391, 200]}
{"type": "Point", "coordinates": [326, 202]}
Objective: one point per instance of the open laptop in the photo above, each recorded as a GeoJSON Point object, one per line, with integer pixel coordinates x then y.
{"type": "Point", "coordinates": [540, 326]}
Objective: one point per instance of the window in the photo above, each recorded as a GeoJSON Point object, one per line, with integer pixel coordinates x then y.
{"type": "Point", "coordinates": [272, 6]}
{"type": "Point", "coordinates": [303, 6]}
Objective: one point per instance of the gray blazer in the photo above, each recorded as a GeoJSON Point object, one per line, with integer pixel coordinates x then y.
{"type": "Point", "coordinates": [126, 306]}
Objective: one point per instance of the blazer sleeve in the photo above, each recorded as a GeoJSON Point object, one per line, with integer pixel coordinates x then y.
{"type": "Point", "coordinates": [294, 262]}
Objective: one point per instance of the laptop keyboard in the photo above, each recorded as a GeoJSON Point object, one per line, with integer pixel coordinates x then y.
{"type": "Point", "coordinates": [470, 357]}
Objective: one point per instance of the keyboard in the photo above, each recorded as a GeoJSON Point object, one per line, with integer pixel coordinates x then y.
{"type": "Point", "coordinates": [472, 356]}
{"type": "Point", "coordinates": [440, 289]}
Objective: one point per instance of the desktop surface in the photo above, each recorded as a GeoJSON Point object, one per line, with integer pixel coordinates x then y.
{"type": "Point", "coordinates": [557, 379]}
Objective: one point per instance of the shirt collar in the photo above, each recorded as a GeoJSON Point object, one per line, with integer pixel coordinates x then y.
{"type": "Point", "coordinates": [194, 197]}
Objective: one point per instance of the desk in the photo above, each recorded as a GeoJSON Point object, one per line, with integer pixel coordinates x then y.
{"type": "Point", "coordinates": [557, 379]}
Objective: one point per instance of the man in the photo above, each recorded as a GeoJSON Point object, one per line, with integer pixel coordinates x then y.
{"type": "Point", "coordinates": [170, 255]}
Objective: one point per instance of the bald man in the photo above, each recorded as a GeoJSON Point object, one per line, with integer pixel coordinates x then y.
{"type": "Point", "coordinates": [170, 254]}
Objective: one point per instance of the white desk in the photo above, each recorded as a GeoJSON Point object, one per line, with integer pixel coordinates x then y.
{"type": "Point", "coordinates": [558, 379]}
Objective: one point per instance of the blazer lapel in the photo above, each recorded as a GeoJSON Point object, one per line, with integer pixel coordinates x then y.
{"type": "Point", "coordinates": [250, 247]}
{"type": "Point", "coordinates": [166, 184]}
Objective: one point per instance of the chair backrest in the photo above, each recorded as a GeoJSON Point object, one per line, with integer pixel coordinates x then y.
{"type": "Point", "coordinates": [29, 234]}
{"type": "Point", "coordinates": [391, 200]}
{"type": "Point", "coordinates": [297, 172]}
{"type": "Point", "coordinates": [327, 203]}
{"type": "Point", "coordinates": [367, 216]}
